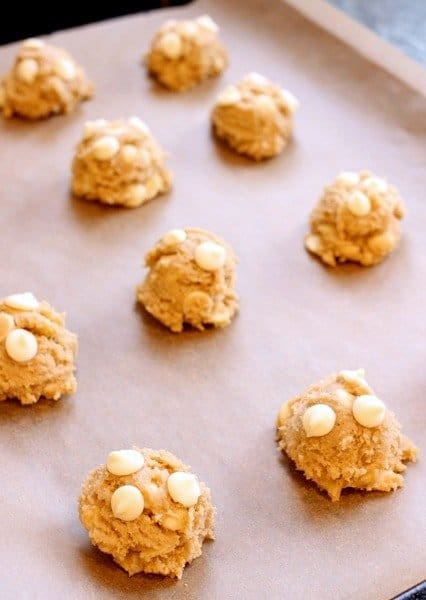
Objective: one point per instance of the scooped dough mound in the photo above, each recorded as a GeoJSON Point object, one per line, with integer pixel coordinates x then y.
{"type": "Point", "coordinates": [119, 162]}
{"type": "Point", "coordinates": [342, 436]}
{"type": "Point", "coordinates": [254, 117]}
{"type": "Point", "coordinates": [37, 352]}
{"type": "Point", "coordinates": [191, 279]}
{"type": "Point", "coordinates": [356, 219]}
{"type": "Point", "coordinates": [44, 81]}
{"type": "Point", "coordinates": [185, 53]}
{"type": "Point", "coordinates": [145, 509]}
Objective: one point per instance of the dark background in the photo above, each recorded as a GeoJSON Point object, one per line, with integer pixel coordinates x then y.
{"type": "Point", "coordinates": [37, 19]}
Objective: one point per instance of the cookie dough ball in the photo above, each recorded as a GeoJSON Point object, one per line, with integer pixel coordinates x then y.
{"type": "Point", "coordinates": [36, 351]}
{"type": "Point", "coordinates": [191, 279]}
{"type": "Point", "coordinates": [254, 117]}
{"type": "Point", "coordinates": [44, 81]}
{"type": "Point", "coordinates": [341, 435]}
{"type": "Point", "coordinates": [148, 511]}
{"type": "Point", "coordinates": [356, 219]}
{"type": "Point", "coordinates": [119, 162]}
{"type": "Point", "coordinates": [185, 53]}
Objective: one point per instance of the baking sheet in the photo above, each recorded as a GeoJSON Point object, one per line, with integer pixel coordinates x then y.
{"type": "Point", "coordinates": [212, 398]}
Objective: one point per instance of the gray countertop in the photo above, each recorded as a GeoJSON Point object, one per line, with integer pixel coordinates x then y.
{"type": "Point", "coordinates": [401, 22]}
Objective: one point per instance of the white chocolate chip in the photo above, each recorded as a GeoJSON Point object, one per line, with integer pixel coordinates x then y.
{"type": "Point", "coordinates": [171, 45]}
{"type": "Point", "coordinates": [284, 414]}
{"type": "Point", "coordinates": [91, 127]}
{"type": "Point", "coordinates": [375, 185]}
{"type": "Point", "coordinates": [359, 204]}
{"type": "Point", "coordinates": [210, 256]}
{"type": "Point", "coordinates": [318, 420]}
{"type": "Point", "coordinates": [189, 28]}
{"type": "Point", "coordinates": [34, 43]}
{"type": "Point", "coordinates": [27, 70]}
{"type": "Point", "coordinates": [7, 323]}
{"type": "Point", "coordinates": [127, 503]}
{"type": "Point", "coordinates": [105, 147]}
{"type": "Point", "coordinates": [139, 124]}
{"type": "Point", "coordinates": [348, 179]}
{"type": "Point", "coordinates": [184, 488]}
{"type": "Point", "coordinates": [290, 100]}
{"type": "Point", "coordinates": [65, 69]}
{"type": "Point", "coordinates": [21, 345]}
{"type": "Point", "coordinates": [229, 96]}
{"type": "Point", "coordinates": [265, 103]}
{"type": "Point", "coordinates": [256, 79]}
{"type": "Point", "coordinates": [129, 153]}
{"type": "Point", "coordinates": [368, 410]}
{"type": "Point", "coordinates": [206, 22]}
{"type": "Point", "coordinates": [355, 379]}
{"type": "Point", "coordinates": [313, 243]}
{"type": "Point", "coordinates": [25, 301]}
{"type": "Point", "coordinates": [345, 397]}
{"type": "Point", "coordinates": [136, 194]}
{"type": "Point", "coordinates": [174, 236]}
{"type": "Point", "coordinates": [124, 462]}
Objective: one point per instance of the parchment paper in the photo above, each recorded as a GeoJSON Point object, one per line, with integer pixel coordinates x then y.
{"type": "Point", "coordinates": [212, 397]}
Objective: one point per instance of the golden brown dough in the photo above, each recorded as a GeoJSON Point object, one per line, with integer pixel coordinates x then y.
{"type": "Point", "coordinates": [185, 53]}
{"type": "Point", "coordinates": [338, 452]}
{"type": "Point", "coordinates": [254, 117]}
{"type": "Point", "coordinates": [119, 162]}
{"type": "Point", "coordinates": [356, 219]}
{"type": "Point", "coordinates": [191, 279]}
{"type": "Point", "coordinates": [44, 81]}
{"type": "Point", "coordinates": [37, 352]}
{"type": "Point", "coordinates": [146, 530]}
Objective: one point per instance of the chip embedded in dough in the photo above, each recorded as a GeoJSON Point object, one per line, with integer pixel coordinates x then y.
{"type": "Point", "coordinates": [119, 163]}
{"type": "Point", "coordinates": [185, 53]}
{"type": "Point", "coordinates": [134, 517]}
{"type": "Point", "coordinates": [342, 436]}
{"type": "Point", "coordinates": [37, 352]}
{"type": "Point", "coordinates": [357, 219]}
{"type": "Point", "coordinates": [254, 117]}
{"type": "Point", "coordinates": [44, 81]}
{"type": "Point", "coordinates": [190, 280]}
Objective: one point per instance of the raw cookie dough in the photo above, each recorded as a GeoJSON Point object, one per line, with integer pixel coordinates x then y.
{"type": "Point", "coordinates": [36, 351]}
{"type": "Point", "coordinates": [145, 509]}
{"type": "Point", "coordinates": [119, 162]}
{"type": "Point", "coordinates": [44, 81]}
{"type": "Point", "coordinates": [254, 117]}
{"type": "Point", "coordinates": [342, 436]}
{"type": "Point", "coordinates": [356, 219]}
{"type": "Point", "coordinates": [185, 53]}
{"type": "Point", "coordinates": [191, 280]}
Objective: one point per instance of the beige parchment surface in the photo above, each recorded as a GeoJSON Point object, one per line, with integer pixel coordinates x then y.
{"type": "Point", "coordinates": [212, 398]}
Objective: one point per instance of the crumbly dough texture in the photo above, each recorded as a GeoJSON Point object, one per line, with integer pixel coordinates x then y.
{"type": "Point", "coordinates": [177, 291]}
{"type": "Point", "coordinates": [350, 456]}
{"type": "Point", "coordinates": [337, 236]}
{"type": "Point", "coordinates": [257, 121]}
{"type": "Point", "coordinates": [50, 374]}
{"type": "Point", "coordinates": [49, 93]}
{"type": "Point", "coordinates": [147, 544]}
{"type": "Point", "coordinates": [201, 56]}
{"type": "Point", "coordinates": [129, 178]}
